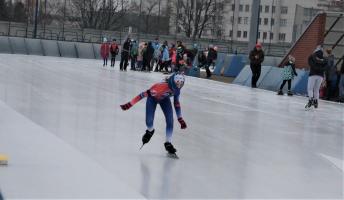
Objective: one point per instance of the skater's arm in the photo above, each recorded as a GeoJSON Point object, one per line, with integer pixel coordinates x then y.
{"type": "Point", "coordinates": [136, 99]}
{"type": "Point", "coordinates": [179, 112]}
{"type": "Point", "coordinates": [294, 70]}
{"type": "Point", "coordinates": [177, 106]}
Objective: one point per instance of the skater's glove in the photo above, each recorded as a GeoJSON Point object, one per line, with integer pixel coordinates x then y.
{"type": "Point", "coordinates": [182, 123]}
{"type": "Point", "coordinates": [126, 106]}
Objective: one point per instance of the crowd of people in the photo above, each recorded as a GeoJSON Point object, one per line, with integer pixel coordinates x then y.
{"type": "Point", "coordinates": [159, 57]}
{"type": "Point", "coordinates": [325, 81]}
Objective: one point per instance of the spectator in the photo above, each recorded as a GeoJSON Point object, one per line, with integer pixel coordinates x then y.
{"type": "Point", "coordinates": [114, 52]}
{"type": "Point", "coordinates": [125, 55]}
{"type": "Point", "coordinates": [331, 75]}
{"type": "Point", "coordinates": [179, 54]}
{"type": "Point", "coordinates": [288, 75]}
{"type": "Point", "coordinates": [104, 51]}
{"type": "Point", "coordinates": [202, 59]}
{"type": "Point", "coordinates": [173, 56]}
{"type": "Point", "coordinates": [156, 55]}
{"type": "Point", "coordinates": [212, 56]}
{"type": "Point", "coordinates": [133, 55]}
{"type": "Point", "coordinates": [165, 59]}
{"type": "Point", "coordinates": [317, 64]}
{"type": "Point", "coordinates": [256, 58]}
{"type": "Point", "coordinates": [147, 57]}
{"type": "Point", "coordinates": [140, 56]}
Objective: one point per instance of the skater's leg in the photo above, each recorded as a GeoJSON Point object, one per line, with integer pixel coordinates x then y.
{"type": "Point", "coordinates": [150, 112]}
{"type": "Point", "coordinates": [253, 79]}
{"type": "Point", "coordinates": [289, 85]}
{"type": "Point", "coordinates": [166, 107]}
{"type": "Point", "coordinates": [310, 87]}
{"type": "Point", "coordinates": [283, 83]}
{"type": "Point", "coordinates": [317, 84]}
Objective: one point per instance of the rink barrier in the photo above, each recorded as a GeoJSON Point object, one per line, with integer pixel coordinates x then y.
{"type": "Point", "coordinates": [67, 49]}
{"type": "Point", "coordinates": [18, 45]}
{"type": "Point", "coordinates": [29, 46]}
{"type": "Point", "coordinates": [34, 47]}
{"type": "Point", "coordinates": [243, 76]}
{"type": "Point", "coordinates": [5, 46]}
{"type": "Point", "coordinates": [85, 50]}
{"type": "Point", "coordinates": [271, 79]}
{"type": "Point", "coordinates": [96, 50]}
{"type": "Point", "coordinates": [219, 64]}
{"type": "Point", "coordinates": [50, 48]}
{"type": "Point", "coordinates": [236, 64]}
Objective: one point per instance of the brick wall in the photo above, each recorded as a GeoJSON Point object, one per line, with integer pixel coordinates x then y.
{"type": "Point", "coordinates": [305, 45]}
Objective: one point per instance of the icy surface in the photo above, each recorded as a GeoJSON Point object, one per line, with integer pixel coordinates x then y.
{"type": "Point", "coordinates": [61, 123]}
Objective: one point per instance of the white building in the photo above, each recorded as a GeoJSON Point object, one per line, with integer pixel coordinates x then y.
{"type": "Point", "coordinates": [276, 22]}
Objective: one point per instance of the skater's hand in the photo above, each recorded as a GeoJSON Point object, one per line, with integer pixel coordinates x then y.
{"type": "Point", "coordinates": [126, 106]}
{"type": "Point", "coordinates": [182, 123]}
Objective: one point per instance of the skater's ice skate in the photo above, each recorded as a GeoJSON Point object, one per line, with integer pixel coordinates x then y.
{"type": "Point", "coordinates": [171, 151]}
{"type": "Point", "coordinates": [146, 137]}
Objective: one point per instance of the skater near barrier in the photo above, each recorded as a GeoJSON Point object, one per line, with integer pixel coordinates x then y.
{"type": "Point", "coordinates": [317, 64]}
{"type": "Point", "coordinates": [288, 74]}
{"type": "Point", "coordinates": [105, 51]}
{"type": "Point", "coordinates": [256, 58]}
{"type": "Point", "coordinates": [160, 93]}
{"type": "Point", "coordinates": [114, 52]}
{"type": "Point", "coordinates": [125, 55]}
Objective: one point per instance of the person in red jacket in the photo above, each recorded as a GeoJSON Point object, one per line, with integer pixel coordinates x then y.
{"type": "Point", "coordinates": [105, 51]}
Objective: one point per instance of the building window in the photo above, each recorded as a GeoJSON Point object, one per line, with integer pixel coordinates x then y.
{"type": "Point", "coordinates": [284, 10]}
{"type": "Point", "coordinates": [245, 34]}
{"type": "Point", "coordinates": [271, 36]}
{"type": "Point", "coordinates": [239, 20]}
{"type": "Point", "coordinates": [231, 20]}
{"type": "Point", "coordinates": [259, 35]}
{"type": "Point", "coordinates": [265, 34]}
{"type": "Point", "coordinates": [260, 8]}
{"type": "Point", "coordinates": [230, 33]}
{"type": "Point", "coordinates": [245, 20]}
{"type": "Point", "coordinates": [273, 9]}
{"type": "Point", "coordinates": [272, 21]}
{"type": "Point", "coordinates": [233, 7]}
{"type": "Point", "coordinates": [267, 9]}
{"type": "Point", "coordinates": [283, 22]}
{"type": "Point", "coordinates": [239, 34]}
{"type": "Point", "coordinates": [281, 36]}
{"type": "Point", "coordinates": [247, 8]}
{"type": "Point", "coordinates": [266, 21]}
{"type": "Point", "coordinates": [260, 21]}
{"type": "Point", "coordinates": [241, 8]}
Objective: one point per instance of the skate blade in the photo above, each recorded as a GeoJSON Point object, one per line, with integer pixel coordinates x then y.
{"type": "Point", "coordinates": [172, 155]}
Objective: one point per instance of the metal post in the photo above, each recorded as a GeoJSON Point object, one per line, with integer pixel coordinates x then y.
{"type": "Point", "coordinates": [159, 19]}
{"type": "Point", "coordinates": [36, 20]}
{"type": "Point", "coordinates": [45, 17]}
{"type": "Point", "coordinates": [254, 27]}
{"type": "Point", "coordinates": [139, 21]}
{"type": "Point", "coordinates": [177, 18]}
{"type": "Point", "coordinates": [64, 17]}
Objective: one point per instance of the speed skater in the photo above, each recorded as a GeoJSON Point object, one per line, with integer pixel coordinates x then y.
{"type": "Point", "coordinates": [160, 93]}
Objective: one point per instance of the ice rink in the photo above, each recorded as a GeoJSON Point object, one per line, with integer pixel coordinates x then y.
{"type": "Point", "coordinates": [66, 136]}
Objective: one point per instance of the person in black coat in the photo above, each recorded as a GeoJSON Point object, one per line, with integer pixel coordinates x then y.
{"type": "Point", "coordinates": [256, 58]}
{"type": "Point", "coordinates": [125, 55]}
{"type": "Point", "coordinates": [318, 66]}
{"type": "Point", "coordinates": [148, 56]}
{"type": "Point", "coordinates": [212, 56]}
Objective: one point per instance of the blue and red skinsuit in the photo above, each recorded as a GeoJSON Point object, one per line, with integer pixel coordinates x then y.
{"type": "Point", "coordinates": [160, 93]}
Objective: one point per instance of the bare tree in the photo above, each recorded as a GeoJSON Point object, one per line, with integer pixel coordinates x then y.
{"type": "Point", "coordinates": [99, 14]}
{"type": "Point", "coordinates": [195, 16]}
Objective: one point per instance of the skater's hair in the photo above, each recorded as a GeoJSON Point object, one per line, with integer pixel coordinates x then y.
{"type": "Point", "coordinates": [291, 58]}
{"type": "Point", "coordinates": [329, 51]}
